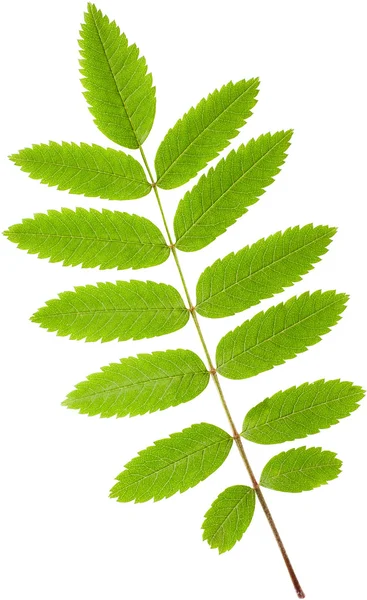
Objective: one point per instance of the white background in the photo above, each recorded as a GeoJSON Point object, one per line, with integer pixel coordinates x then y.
{"type": "Point", "coordinates": [61, 536]}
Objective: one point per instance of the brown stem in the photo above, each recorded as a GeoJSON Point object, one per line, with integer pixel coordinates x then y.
{"type": "Point", "coordinates": [214, 375]}
{"type": "Point", "coordinates": [288, 564]}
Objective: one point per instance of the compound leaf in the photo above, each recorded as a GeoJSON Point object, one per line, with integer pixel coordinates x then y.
{"type": "Point", "coordinates": [241, 280]}
{"type": "Point", "coordinates": [223, 195]}
{"type": "Point", "coordinates": [92, 239]}
{"type": "Point", "coordinates": [282, 332]}
{"type": "Point", "coordinates": [229, 517]}
{"type": "Point", "coordinates": [122, 310]}
{"type": "Point", "coordinates": [300, 470]}
{"type": "Point", "coordinates": [174, 464]}
{"type": "Point", "coordinates": [301, 411]}
{"type": "Point", "coordinates": [85, 169]}
{"type": "Point", "coordinates": [118, 89]}
{"type": "Point", "coordinates": [136, 386]}
{"type": "Point", "coordinates": [203, 132]}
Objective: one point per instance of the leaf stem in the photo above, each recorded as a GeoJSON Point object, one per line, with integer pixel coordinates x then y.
{"type": "Point", "coordinates": [213, 372]}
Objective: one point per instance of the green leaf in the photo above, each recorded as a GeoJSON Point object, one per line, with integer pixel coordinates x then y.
{"type": "Point", "coordinates": [89, 170]}
{"type": "Point", "coordinates": [136, 386]}
{"type": "Point", "coordinates": [203, 132]}
{"type": "Point", "coordinates": [223, 195]}
{"type": "Point", "coordinates": [92, 239]}
{"type": "Point", "coordinates": [282, 332]}
{"type": "Point", "coordinates": [301, 411]}
{"type": "Point", "coordinates": [118, 89]}
{"type": "Point", "coordinates": [229, 517]}
{"type": "Point", "coordinates": [174, 464]}
{"type": "Point", "coordinates": [122, 310]}
{"type": "Point", "coordinates": [241, 280]}
{"type": "Point", "coordinates": [300, 470]}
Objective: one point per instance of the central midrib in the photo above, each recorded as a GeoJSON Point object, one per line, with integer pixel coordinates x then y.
{"type": "Point", "coordinates": [297, 412]}
{"type": "Point", "coordinates": [108, 310]}
{"type": "Point", "coordinates": [203, 131]}
{"type": "Point", "coordinates": [114, 80]}
{"type": "Point", "coordinates": [256, 272]}
{"type": "Point", "coordinates": [95, 239]}
{"type": "Point", "coordinates": [139, 383]}
{"type": "Point", "coordinates": [167, 466]}
{"type": "Point", "coordinates": [281, 332]}
{"type": "Point", "coordinates": [245, 174]}
{"type": "Point", "coordinates": [77, 167]}
{"type": "Point", "coordinates": [229, 514]}
{"type": "Point", "coordinates": [301, 469]}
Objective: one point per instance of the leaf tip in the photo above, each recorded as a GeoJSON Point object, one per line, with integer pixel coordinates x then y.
{"type": "Point", "coordinates": [332, 230]}
{"type": "Point", "coordinates": [13, 158]}
{"type": "Point", "coordinates": [35, 317]}
{"type": "Point", "coordinates": [91, 7]}
{"type": "Point", "coordinates": [114, 492]}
